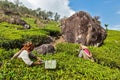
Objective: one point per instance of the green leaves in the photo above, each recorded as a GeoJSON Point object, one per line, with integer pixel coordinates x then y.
{"type": "Point", "coordinates": [108, 54]}
{"type": "Point", "coordinates": [69, 65]}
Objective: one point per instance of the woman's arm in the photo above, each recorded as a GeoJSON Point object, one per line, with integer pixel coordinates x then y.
{"type": "Point", "coordinates": [35, 57]}
{"type": "Point", "coordinates": [36, 63]}
{"type": "Point", "coordinates": [16, 54]}
{"type": "Point", "coordinates": [90, 54]}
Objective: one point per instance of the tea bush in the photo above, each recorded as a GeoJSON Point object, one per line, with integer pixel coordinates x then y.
{"type": "Point", "coordinates": [12, 38]}
{"type": "Point", "coordinates": [69, 66]}
{"type": "Point", "coordinates": [69, 48]}
{"type": "Point", "coordinates": [31, 22]}
{"type": "Point", "coordinates": [52, 28]}
{"type": "Point", "coordinates": [108, 54]}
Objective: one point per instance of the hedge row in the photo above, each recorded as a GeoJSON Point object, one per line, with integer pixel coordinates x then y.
{"type": "Point", "coordinates": [108, 54]}
{"type": "Point", "coordinates": [18, 43]}
{"type": "Point", "coordinates": [52, 28]}
{"type": "Point", "coordinates": [105, 55]}
{"type": "Point", "coordinates": [12, 38]}
{"type": "Point", "coordinates": [69, 67]}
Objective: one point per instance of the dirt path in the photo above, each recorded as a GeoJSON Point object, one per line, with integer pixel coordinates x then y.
{"type": "Point", "coordinates": [60, 40]}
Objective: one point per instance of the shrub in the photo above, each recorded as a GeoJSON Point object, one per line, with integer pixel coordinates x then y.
{"type": "Point", "coordinates": [69, 48]}
{"type": "Point", "coordinates": [53, 29]}
{"type": "Point", "coordinates": [108, 53]}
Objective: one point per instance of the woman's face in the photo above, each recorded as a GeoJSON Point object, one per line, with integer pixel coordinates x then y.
{"type": "Point", "coordinates": [28, 46]}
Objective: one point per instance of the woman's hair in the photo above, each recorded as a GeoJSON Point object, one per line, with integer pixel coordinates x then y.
{"type": "Point", "coordinates": [28, 46]}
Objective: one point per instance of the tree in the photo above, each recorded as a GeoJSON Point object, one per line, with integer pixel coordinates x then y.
{"type": "Point", "coordinates": [38, 10]}
{"type": "Point", "coordinates": [56, 17]}
{"type": "Point", "coordinates": [50, 14]}
{"type": "Point", "coordinates": [5, 4]}
{"type": "Point", "coordinates": [106, 25]}
{"type": "Point", "coordinates": [17, 3]}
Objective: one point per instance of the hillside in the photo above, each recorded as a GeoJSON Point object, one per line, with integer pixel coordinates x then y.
{"type": "Point", "coordinates": [69, 66]}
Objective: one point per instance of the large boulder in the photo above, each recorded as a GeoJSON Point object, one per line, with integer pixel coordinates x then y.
{"type": "Point", "coordinates": [45, 48]}
{"type": "Point", "coordinates": [48, 40]}
{"type": "Point", "coordinates": [82, 28]}
{"type": "Point", "coordinates": [16, 20]}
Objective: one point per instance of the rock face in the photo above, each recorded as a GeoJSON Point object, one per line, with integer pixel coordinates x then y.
{"type": "Point", "coordinates": [48, 40]}
{"type": "Point", "coordinates": [45, 48]}
{"type": "Point", "coordinates": [14, 18]}
{"type": "Point", "coordinates": [82, 28]}
{"type": "Point", "coordinates": [18, 21]}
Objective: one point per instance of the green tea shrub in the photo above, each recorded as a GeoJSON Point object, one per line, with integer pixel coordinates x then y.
{"type": "Point", "coordinates": [36, 39]}
{"type": "Point", "coordinates": [11, 38]}
{"type": "Point", "coordinates": [4, 54]}
{"type": "Point", "coordinates": [70, 48]}
{"type": "Point", "coordinates": [30, 21]}
{"type": "Point", "coordinates": [11, 44]}
{"type": "Point", "coordinates": [52, 28]}
{"type": "Point", "coordinates": [69, 67]}
{"type": "Point", "coordinates": [108, 54]}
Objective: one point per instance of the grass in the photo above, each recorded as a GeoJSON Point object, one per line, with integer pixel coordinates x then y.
{"type": "Point", "coordinates": [69, 66]}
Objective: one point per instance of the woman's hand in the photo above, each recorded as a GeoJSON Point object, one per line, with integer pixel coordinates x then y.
{"type": "Point", "coordinates": [36, 63]}
{"type": "Point", "coordinates": [39, 59]}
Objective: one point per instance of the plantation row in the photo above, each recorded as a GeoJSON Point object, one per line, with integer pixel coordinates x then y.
{"type": "Point", "coordinates": [105, 55]}
{"type": "Point", "coordinates": [68, 62]}
{"type": "Point", "coordinates": [109, 53]}
{"type": "Point", "coordinates": [10, 37]}
{"type": "Point", "coordinates": [69, 66]}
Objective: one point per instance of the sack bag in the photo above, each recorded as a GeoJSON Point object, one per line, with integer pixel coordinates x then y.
{"type": "Point", "coordinates": [50, 64]}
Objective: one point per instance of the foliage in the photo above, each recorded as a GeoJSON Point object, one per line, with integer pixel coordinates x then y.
{"type": "Point", "coordinates": [68, 48]}
{"type": "Point", "coordinates": [52, 28]}
{"type": "Point", "coordinates": [108, 54]}
{"type": "Point", "coordinates": [13, 36]}
{"type": "Point", "coordinates": [31, 22]}
{"type": "Point", "coordinates": [69, 66]}
{"type": "Point", "coordinates": [10, 37]}
{"type": "Point", "coordinates": [22, 9]}
{"type": "Point", "coordinates": [56, 17]}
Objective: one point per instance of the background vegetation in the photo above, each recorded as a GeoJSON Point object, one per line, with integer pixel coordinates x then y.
{"type": "Point", "coordinates": [20, 9]}
{"type": "Point", "coordinates": [69, 66]}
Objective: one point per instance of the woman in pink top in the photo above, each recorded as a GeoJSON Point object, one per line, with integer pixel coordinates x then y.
{"type": "Point", "coordinates": [85, 53]}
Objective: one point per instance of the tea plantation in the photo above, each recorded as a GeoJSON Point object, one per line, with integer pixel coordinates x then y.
{"type": "Point", "coordinates": [69, 66]}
